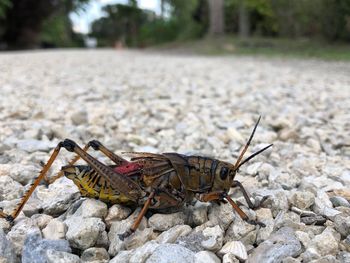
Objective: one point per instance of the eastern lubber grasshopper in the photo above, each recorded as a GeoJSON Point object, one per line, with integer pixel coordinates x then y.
{"type": "Point", "coordinates": [154, 181]}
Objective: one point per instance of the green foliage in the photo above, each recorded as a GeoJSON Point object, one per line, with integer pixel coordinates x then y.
{"type": "Point", "coordinates": [136, 27]}
{"type": "Point", "coordinates": [4, 5]}
{"type": "Point", "coordinates": [55, 31]}
{"type": "Point", "coordinates": [329, 19]}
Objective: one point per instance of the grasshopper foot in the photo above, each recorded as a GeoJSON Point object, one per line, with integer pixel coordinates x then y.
{"type": "Point", "coordinates": [125, 234]}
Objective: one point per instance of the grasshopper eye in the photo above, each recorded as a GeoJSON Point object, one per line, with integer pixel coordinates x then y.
{"type": "Point", "coordinates": [223, 173]}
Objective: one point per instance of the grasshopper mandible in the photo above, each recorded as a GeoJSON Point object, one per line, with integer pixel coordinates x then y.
{"type": "Point", "coordinates": [153, 181]}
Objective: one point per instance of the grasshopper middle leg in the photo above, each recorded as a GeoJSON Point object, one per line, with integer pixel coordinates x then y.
{"type": "Point", "coordinates": [223, 195]}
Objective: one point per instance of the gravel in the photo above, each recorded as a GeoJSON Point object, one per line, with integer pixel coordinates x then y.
{"type": "Point", "coordinates": [139, 101]}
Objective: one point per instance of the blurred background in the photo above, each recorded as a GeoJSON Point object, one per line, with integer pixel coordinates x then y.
{"type": "Point", "coordinates": [317, 28]}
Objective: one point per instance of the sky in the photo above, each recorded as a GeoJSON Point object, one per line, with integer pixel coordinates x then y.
{"type": "Point", "coordinates": [82, 20]}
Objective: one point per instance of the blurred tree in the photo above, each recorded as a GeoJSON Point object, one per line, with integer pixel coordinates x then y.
{"type": "Point", "coordinates": [122, 23]}
{"type": "Point", "coordinates": [24, 19]}
{"type": "Point", "coordinates": [216, 17]}
{"type": "Point", "coordinates": [138, 27]}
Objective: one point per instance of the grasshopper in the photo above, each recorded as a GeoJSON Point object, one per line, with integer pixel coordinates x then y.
{"type": "Point", "coordinates": [153, 181]}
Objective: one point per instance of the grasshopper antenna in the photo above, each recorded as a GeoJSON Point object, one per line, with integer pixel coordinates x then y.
{"type": "Point", "coordinates": [237, 164]}
{"type": "Point", "coordinates": [253, 155]}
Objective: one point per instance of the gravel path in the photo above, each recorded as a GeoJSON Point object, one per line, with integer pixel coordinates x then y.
{"type": "Point", "coordinates": [135, 101]}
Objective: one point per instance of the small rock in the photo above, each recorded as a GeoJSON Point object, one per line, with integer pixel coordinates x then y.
{"type": "Point", "coordinates": [193, 241]}
{"type": "Point", "coordinates": [221, 215]}
{"type": "Point", "coordinates": [323, 205]}
{"type": "Point", "coordinates": [55, 229]}
{"type": "Point", "coordinates": [122, 256]}
{"type": "Point", "coordinates": [214, 238]}
{"type": "Point", "coordinates": [290, 260]}
{"type": "Point", "coordinates": [339, 201]}
{"type": "Point", "coordinates": [342, 225]}
{"type": "Point", "coordinates": [10, 189]}
{"type": "Point", "coordinates": [277, 201]}
{"type": "Point", "coordinates": [116, 213]}
{"type": "Point", "coordinates": [303, 200]}
{"type": "Point", "coordinates": [264, 215]}
{"type": "Point", "coordinates": [280, 245]}
{"type": "Point", "coordinates": [289, 219]}
{"type": "Point", "coordinates": [173, 233]}
{"type": "Point", "coordinates": [32, 145]}
{"type": "Point", "coordinates": [303, 238]}
{"type": "Point", "coordinates": [238, 230]}
{"type": "Point", "coordinates": [325, 243]}
{"type": "Point", "coordinates": [92, 208]}
{"type": "Point", "coordinates": [138, 238]}
{"type": "Point", "coordinates": [142, 253]}
{"type": "Point", "coordinates": [236, 248]}
{"type": "Point", "coordinates": [206, 257]}
{"type": "Point", "coordinates": [5, 225]}
{"type": "Point", "coordinates": [265, 232]}
{"type": "Point", "coordinates": [313, 220]}
{"type": "Point", "coordinates": [168, 253]}
{"type": "Point", "coordinates": [83, 233]}
{"type": "Point", "coordinates": [6, 249]}
{"type": "Point", "coordinates": [286, 180]}
{"type": "Point", "coordinates": [326, 259]}
{"type": "Point", "coordinates": [102, 240]}
{"type": "Point", "coordinates": [79, 117]}
{"type": "Point", "coordinates": [310, 254]}
{"type": "Point", "coordinates": [119, 227]}
{"type": "Point", "coordinates": [162, 222]}
{"type": "Point", "coordinates": [19, 232]}
{"type": "Point", "coordinates": [234, 135]}
{"type": "Point", "coordinates": [95, 254]}
{"type": "Point", "coordinates": [53, 256]}
{"type": "Point", "coordinates": [58, 197]}
{"type": "Point", "coordinates": [230, 258]}
{"type": "Point", "coordinates": [344, 257]}
{"type": "Point", "coordinates": [23, 173]}
{"type": "Point", "coordinates": [41, 220]}
{"type": "Point", "coordinates": [199, 214]}
{"type": "Point", "coordinates": [35, 248]}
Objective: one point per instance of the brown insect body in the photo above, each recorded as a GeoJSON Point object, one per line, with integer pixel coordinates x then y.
{"type": "Point", "coordinates": [154, 181]}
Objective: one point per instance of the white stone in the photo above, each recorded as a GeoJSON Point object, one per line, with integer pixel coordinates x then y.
{"type": "Point", "coordinates": [236, 248]}
{"type": "Point", "coordinates": [206, 257]}
{"type": "Point", "coordinates": [55, 229]}
{"type": "Point", "coordinates": [173, 233]}
{"type": "Point", "coordinates": [83, 233]}
{"type": "Point", "coordinates": [162, 222]}
{"type": "Point", "coordinates": [215, 238]}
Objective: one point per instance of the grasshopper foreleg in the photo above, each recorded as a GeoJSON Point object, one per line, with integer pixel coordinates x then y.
{"type": "Point", "coordinates": [223, 195]}
{"type": "Point", "coordinates": [254, 206]}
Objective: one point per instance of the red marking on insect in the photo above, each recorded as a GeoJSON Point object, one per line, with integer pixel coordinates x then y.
{"type": "Point", "coordinates": [127, 167]}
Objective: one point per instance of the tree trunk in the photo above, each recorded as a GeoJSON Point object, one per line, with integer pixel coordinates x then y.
{"type": "Point", "coordinates": [162, 8]}
{"type": "Point", "coordinates": [244, 20]}
{"type": "Point", "coordinates": [216, 17]}
{"type": "Point", "coordinates": [24, 20]}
